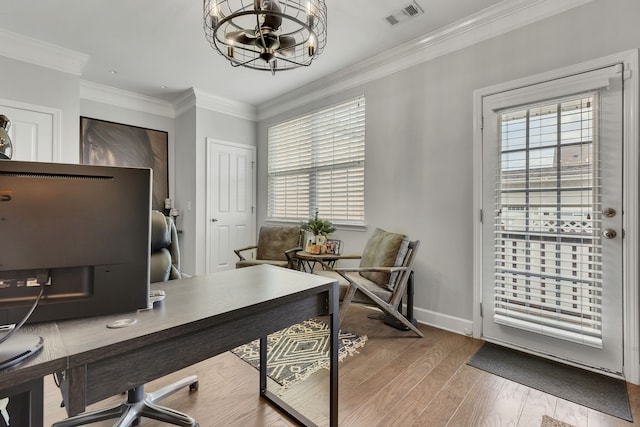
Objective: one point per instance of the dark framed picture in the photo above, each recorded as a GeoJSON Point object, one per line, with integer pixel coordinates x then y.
{"type": "Point", "coordinates": [334, 246]}
{"type": "Point", "coordinates": [114, 144]}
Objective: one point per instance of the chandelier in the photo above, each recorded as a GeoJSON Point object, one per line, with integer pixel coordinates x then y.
{"type": "Point", "coordinates": [270, 35]}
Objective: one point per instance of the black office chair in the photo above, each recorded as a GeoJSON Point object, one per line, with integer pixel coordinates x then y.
{"type": "Point", "coordinates": [164, 265]}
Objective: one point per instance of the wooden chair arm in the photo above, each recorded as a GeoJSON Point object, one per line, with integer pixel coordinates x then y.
{"type": "Point", "coordinates": [237, 251]}
{"type": "Point", "coordinates": [368, 269]}
{"type": "Point", "coordinates": [291, 257]}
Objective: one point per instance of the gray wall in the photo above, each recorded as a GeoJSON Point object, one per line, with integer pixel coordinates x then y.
{"type": "Point", "coordinates": [419, 135]}
{"type": "Point", "coordinates": [39, 86]}
{"type": "Point", "coordinates": [192, 130]}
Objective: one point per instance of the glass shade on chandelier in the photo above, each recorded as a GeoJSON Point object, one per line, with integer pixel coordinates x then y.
{"type": "Point", "coordinates": [271, 35]}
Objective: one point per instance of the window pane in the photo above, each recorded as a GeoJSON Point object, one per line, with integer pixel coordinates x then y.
{"type": "Point", "coordinates": [316, 164]}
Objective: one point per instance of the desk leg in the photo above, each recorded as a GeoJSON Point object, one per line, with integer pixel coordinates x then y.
{"type": "Point", "coordinates": [271, 397]}
{"type": "Point", "coordinates": [23, 404]}
{"type": "Point", "coordinates": [77, 390]}
{"type": "Point", "coordinates": [333, 308]}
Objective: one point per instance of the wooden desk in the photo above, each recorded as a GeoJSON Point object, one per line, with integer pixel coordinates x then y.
{"type": "Point", "coordinates": [23, 384]}
{"type": "Point", "coordinates": [200, 318]}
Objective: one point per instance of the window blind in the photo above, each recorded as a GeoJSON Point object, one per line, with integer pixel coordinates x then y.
{"type": "Point", "coordinates": [548, 275]}
{"type": "Point", "coordinates": [316, 164]}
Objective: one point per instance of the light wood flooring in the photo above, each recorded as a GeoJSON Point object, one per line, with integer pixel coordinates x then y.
{"type": "Point", "coordinates": [396, 379]}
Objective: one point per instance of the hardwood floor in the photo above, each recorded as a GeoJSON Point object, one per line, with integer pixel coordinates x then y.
{"type": "Point", "coordinates": [396, 379]}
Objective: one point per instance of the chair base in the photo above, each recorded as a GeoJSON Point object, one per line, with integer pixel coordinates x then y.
{"type": "Point", "coordinates": [394, 323]}
{"type": "Point", "coordinates": [139, 405]}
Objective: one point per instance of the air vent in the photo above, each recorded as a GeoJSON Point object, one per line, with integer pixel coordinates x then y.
{"type": "Point", "coordinates": [409, 11]}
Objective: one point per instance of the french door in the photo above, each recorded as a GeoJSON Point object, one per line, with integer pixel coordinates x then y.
{"type": "Point", "coordinates": [552, 218]}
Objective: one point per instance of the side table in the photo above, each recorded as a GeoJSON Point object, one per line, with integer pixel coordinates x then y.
{"type": "Point", "coordinates": [307, 261]}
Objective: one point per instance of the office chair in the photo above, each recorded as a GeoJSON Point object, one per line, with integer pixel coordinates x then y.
{"type": "Point", "coordinates": [381, 278]}
{"type": "Point", "coordinates": [164, 265]}
{"type": "Point", "coordinates": [276, 246]}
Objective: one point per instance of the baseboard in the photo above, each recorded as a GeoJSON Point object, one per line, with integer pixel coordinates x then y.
{"type": "Point", "coordinates": [443, 321]}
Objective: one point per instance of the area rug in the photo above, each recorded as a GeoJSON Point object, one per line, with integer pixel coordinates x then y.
{"type": "Point", "coordinates": [294, 353]}
{"type": "Point", "coordinates": [547, 421]}
{"type": "Point", "coordinates": [586, 388]}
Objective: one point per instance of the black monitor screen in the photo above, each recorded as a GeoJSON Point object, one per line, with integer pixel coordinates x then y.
{"type": "Point", "coordinates": [80, 231]}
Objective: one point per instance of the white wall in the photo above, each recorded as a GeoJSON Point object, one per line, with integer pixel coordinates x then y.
{"type": "Point", "coordinates": [34, 85]}
{"type": "Point", "coordinates": [419, 134]}
{"type": "Point", "coordinates": [193, 127]}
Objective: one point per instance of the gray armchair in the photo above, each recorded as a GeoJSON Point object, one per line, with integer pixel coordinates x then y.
{"type": "Point", "coordinates": [381, 278]}
{"type": "Point", "coordinates": [164, 263]}
{"type": "Point", "coordinates": [276, 246]}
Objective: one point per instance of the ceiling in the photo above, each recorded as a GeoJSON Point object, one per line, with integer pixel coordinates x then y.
{"type": "Point", "coordinates": [157, 48]}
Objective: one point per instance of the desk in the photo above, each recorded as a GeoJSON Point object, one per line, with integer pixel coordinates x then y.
{"type": "Point", "coordinates": [23, 382]}
{"type": "Point", "coordinates": [201, 317]}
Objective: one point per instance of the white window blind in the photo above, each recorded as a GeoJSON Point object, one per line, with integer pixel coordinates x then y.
{"type": "Point", "coordinates": [548, 257]}
{"type": "Point", "coordinates": [316, 164]}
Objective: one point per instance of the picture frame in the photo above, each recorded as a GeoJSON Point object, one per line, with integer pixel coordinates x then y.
{"type": "Point", "coordinates": [334, 246]}
{"type": "Point", "coordinates": [115, 144]}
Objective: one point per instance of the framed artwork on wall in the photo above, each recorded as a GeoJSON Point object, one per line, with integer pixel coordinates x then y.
{"type": "Point", "coordinates": [114, 144]}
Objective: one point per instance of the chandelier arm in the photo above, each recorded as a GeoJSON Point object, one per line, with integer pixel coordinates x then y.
{"type": "Point", "coordinates": [302, 64]}
{"type": "Point", "coordinates": [242, 64]}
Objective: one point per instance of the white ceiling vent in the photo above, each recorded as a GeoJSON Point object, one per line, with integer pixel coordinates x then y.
{"type": "Point", "coordinates": [409, 11]}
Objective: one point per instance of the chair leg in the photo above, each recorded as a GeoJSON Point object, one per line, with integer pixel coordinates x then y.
{"type": "Point", "coordinates": [345, 303]}
{"type": "Point", "coordinates": [129, 411]}
{"type": "Point", "coordinates": [402, 319]}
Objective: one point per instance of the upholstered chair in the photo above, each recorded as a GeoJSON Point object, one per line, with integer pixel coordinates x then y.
{"type": "Point", "coordinates": [164, 263]}
{"type": "Point", "coordinates": [381, 278]}
{"type": "Point", "coordinates": [276, 246]}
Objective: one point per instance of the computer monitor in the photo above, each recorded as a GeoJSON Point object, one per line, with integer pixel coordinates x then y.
{"type": "Point", "coordinates": [82, 232]}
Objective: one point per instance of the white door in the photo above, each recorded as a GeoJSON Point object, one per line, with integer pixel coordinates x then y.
{"type": "Point", "coordinates": [552, 218]}
{"type": "Point", "coordinates": [231, 213]}
{"type": "Point", "coordinates": [31, 134]}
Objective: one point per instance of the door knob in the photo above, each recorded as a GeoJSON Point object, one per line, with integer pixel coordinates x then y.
{"type": "Point", "coordinates": [609, 233]}
{"type": "Point", "coordinates": [609, 212]}
{"type": "Point", "coordinates": [214, 219]}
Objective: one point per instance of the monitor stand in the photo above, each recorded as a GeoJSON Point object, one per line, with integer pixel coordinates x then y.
{"type": "Point", "coordinates": [18, 348]}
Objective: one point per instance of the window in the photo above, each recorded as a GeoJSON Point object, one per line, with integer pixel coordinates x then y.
{"type": "Point", "coordinates": [547, 195]}
{"type": "Point", "coordinates": [316, 164]}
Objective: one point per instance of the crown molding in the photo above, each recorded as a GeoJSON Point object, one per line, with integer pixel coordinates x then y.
{"type": "Point", "coordinates": [201, 99]}
{"type": "Point", "coordinates": [125, 99]}
{"type": "Point", "coordinates": [17, 46]}
{"type": "Point", "coordinates": [493, 21]}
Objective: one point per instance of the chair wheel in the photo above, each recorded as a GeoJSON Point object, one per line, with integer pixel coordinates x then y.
{"type": "Point", "coordinates": [194, 387]}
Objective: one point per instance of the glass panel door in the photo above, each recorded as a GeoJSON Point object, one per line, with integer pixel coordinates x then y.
{"type": "Point", "coordinates": [552, 252]}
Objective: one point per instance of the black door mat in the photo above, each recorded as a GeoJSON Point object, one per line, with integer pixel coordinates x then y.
{"type": "Point", "coordinates": [586, 388]}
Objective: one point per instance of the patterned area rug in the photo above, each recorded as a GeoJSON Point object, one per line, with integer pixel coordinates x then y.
{"type": "Point", "coordinates": [294, 353]}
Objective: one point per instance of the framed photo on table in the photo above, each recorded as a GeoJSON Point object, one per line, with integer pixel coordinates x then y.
{"type": "Point", "coordinates": [334, 246]}
{"type": "Point", "coordinates": [114, 144]}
